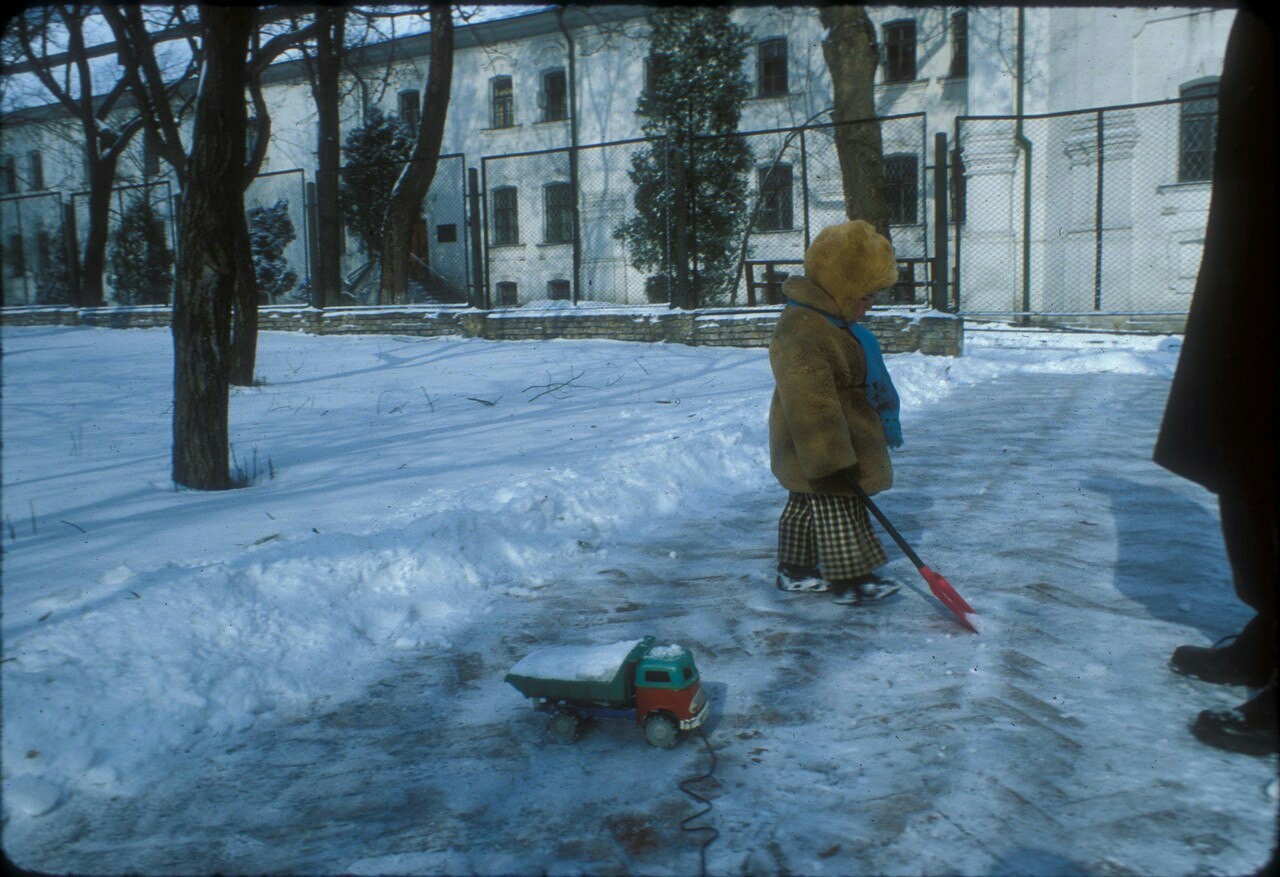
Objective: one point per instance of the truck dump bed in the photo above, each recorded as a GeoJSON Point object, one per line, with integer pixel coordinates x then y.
{"type": "Point", "coordinates": [600, 674]}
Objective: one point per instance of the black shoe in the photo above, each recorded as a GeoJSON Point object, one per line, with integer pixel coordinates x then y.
{"type": "Point", "coordinates": [1223, 664]}
{"type": "Point", "coordinates": [796, 578]}
{"type": "Point", "coordinates": [1250, 728]}
{"type": "Point", "coordinates": [863, 589]}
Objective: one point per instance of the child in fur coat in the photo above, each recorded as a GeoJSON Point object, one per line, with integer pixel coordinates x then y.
{"type": "Point", "coordinates": [824, 424]}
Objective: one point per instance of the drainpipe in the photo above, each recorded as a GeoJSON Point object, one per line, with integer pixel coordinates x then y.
{"type": "Point", "coordinates": [1025, 145]}
{"type": "Point", "coordinates": [571, 84]}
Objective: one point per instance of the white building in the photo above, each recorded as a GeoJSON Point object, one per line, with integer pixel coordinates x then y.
{"type": "Point", "coordinates": [547, 81]}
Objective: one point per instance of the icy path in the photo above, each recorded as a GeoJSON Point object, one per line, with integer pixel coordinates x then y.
{"type": "Point", "coordinates": [849, 742]}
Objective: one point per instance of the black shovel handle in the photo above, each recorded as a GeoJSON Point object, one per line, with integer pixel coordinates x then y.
{"type": "Point", "coordinates": [884, 522]}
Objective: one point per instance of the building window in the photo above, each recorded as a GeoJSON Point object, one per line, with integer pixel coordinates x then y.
{"type": "Point", "coordinates": [8, 176]}
{"type": "Point", "coordinates": [558, 290]}
{"type": "Point", "coordinates": [503, 107]}
{"type": "Point", "coordinates": [771, 67]}
{"type": "Point", "coordinates": [555, 103]}
{"type": "Point", "coordinates": [507, 295]}
{"type": "Point", "coordinates": [411, 108]}
{"type": "Point", "coordinates": [36, 166]}
{"type": "Point", "coordinates": [506, 217]}
{"type": "Point", "coordinates": [901, 188]}
{"type": "Point", "coordinates": [14, 258]}
{"type": "Point", "coordinates": [775, 198]}
{"type": "Point", "coordinates": [557, 213]}
{"type": "Point", "coordinates": [1197, 132]}
{"type": "Point", "coordinates": [959, 44]}
{"type": "Point", "coordinates": [900, 51]}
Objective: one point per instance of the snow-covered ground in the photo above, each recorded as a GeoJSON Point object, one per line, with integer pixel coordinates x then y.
{"type": "Point", "coordinates": [305, 675]}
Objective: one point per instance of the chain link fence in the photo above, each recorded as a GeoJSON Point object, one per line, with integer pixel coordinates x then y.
{"type": "Point", "coordinates": [276, 207]}
{"type": "Point", "coordinates": [440, 256]}
{"type": "Point", "coordinates": [141, 242]}
{"type": "Point", "coordinates": [720, 222]}
{"type": "Point", "coordinates": [33, 250]}
{"type": "Point", "coordinates": [1089, 219]}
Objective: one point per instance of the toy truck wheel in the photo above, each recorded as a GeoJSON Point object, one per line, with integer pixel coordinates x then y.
{"type": "Point", "coordinates": [660, 731]}
{"type": "Point", "coordinates": [564, 725]}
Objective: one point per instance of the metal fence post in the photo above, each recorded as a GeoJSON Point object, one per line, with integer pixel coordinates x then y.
{"type": "Point", "coordinates": [313, 248]}
{"type": "Point", "coordinates": [476, 298]}
{"type": "Point", "coordinates": [1097, 256]}
{"type": "Point", "coordinates": [940, 267]}
{"type": "Point", "coordinates": [681, 296]}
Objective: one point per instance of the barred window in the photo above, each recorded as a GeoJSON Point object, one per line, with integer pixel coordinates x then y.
{"type": "Point", "coordinates": [506, 216]}
{"type": "Point", "coordinates": [559, 290]}
{"type": "Point", "coordinates": [36, 166]}
{"type": "Point", "coordinates": [900, 51]}
{"type": "Point", "coordinates": [901, 188]}
{"type": "Point", "coordinates": [410, 108]}
{"type": "Point", "coordinates": [771, 67]}
{"type": "Point", "coordinates": [508, 296]}
{"type": "Point", "coordinates": [503, 100]}
{"type": "Point", "coordinates": [555, 105]}
{"type": "Point", "coordinates": [959, 44]}
{"type": "Point", "coordinates": [557, 213]}
{"type": "Point", "coordinates": [1197, 132]}
{"type": "Point", "coordinates": [775, 198]}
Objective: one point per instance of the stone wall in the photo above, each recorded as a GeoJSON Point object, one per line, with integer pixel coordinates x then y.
{"type": "Point", "coordinates": [900, 330]}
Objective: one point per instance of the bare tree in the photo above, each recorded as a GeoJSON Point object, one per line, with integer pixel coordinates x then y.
{"type": "Point", "coordinates": [212, 209]}
{"type": "Point", "coordinates": [163, 107]}
{"type": "Point", "coordinates": [324, 67]}
{"type": "Point", "coordinates": [70, 80]}
{"type": "Point", "coordinates": [852, 57]}
{"type": "Point", "coordinates": [415, 181]}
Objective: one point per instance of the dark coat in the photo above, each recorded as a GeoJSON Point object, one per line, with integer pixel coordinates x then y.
{"type": "Point", "coordinates": [820, 420]}
{"type": "Point", "coordinates": [1219, 424]}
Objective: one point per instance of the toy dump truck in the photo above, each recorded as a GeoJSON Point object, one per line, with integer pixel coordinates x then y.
{"type": "Point", "coordinates": [656, 686]}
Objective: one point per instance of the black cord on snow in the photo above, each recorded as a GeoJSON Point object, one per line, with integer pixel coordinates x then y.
{"type": "Point", "coordinates": [684, 823]}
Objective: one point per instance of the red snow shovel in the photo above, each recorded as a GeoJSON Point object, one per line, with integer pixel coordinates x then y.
{"type": "Point", "coordinates": [937, 583]}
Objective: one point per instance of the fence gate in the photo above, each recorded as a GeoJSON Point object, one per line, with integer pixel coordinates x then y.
{"type": "Point", "coordinates": [1089, 218]}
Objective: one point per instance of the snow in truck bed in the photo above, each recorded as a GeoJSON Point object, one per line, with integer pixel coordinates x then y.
{"type": "Point", "coordinates": [592, 663]}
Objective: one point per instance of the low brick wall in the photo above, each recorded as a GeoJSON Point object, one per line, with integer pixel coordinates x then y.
{"type": "Point", "coordinates": [900, 330]}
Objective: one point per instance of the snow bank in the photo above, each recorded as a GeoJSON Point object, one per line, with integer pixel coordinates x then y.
{"type": "Point", "coordinates": [414, 485]}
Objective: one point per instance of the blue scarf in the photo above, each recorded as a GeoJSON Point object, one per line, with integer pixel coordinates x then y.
{"type": "Point", "coordinates": [881, 392]}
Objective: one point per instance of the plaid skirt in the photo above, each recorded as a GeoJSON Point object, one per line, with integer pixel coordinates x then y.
{"type": "Point", "coordinates": [830, 533]}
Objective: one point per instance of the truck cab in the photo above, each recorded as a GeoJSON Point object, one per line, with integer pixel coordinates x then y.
{"type": "Point", "coordinates": [668, 687]}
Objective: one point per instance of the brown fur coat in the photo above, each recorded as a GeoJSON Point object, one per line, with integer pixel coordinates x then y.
{"type": "Point", "coordinates": [820, 420]}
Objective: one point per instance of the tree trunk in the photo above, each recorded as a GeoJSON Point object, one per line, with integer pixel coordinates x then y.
{"type": "Point", "coordinates": [244, 314]}
{"type": "Point", "coordinates": [207, 254]}
{"type": "Point", "coordinates": [329, 45]}
{"type": "Point", "coordinates": [852, 57]}
{"type": "Point", "coordinates": [414, 183]}
{"type": "Point", "coordinates": [101, 177]}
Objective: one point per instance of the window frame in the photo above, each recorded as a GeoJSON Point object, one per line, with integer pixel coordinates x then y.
{"type": "Point", "coordinates": [897, 188]}
{"type": "Point", "coordinates": [409, 111]}
{"type": "Point", "coordinates": [502, 107]}
{"type": "Point", "coordinates": [557, 219]}
{"type": "Point", "coordinates": [777, 198]}
{"type": "Point", "coordinates": [506, 217]}
{"type": "Point", "coordinates": [508, 293]}
{"type": "Point", "coordinates": [562, 291]}
{"type": "Point", "coordinates": [775, 82]}
{"type": "Point", "coordinates": [1204, 97]}
{"type": "Point", "coordinates": [959, 44]}
{"type": "Point", "coordinates": [900, 35]}
{"type": "Point", "coordinates": [548, 106]}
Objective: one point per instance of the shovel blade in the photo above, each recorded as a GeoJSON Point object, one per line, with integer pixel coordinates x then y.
{"type": "Point", "coordinates": [948, 596]}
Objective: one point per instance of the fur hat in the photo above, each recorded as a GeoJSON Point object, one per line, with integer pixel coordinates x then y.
{"type": "Point", "coordinates": [850, 261]}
